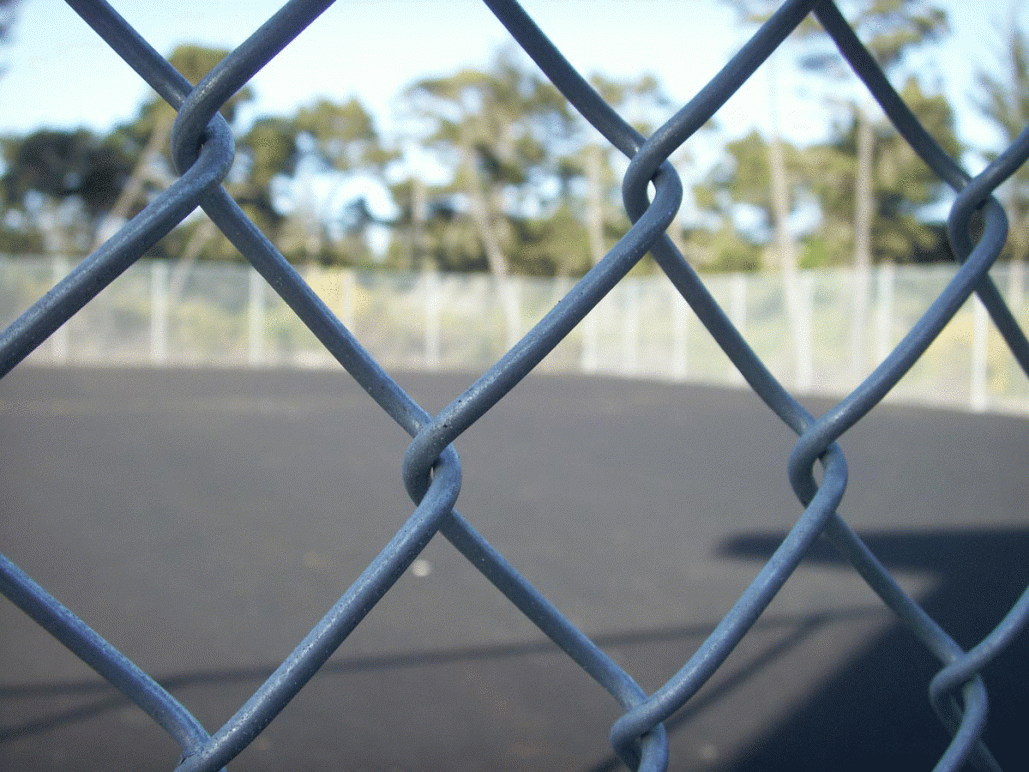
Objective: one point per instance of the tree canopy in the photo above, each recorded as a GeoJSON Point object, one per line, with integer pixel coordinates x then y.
{"type": "Point", "coordinates": [491, 170]}
{"type": "Point", "coordinates": [1004, 101]}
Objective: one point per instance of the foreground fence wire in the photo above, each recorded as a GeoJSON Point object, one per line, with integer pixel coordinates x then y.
{"type": "Point", "coordinates": [202, 148]}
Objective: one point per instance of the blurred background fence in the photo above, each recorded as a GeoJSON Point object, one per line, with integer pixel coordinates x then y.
{"type": "Point", "coordinates": [225, 315]}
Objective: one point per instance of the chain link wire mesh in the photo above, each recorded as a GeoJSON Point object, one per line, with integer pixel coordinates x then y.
{"type": "Point", "coordinates": [202, 149]}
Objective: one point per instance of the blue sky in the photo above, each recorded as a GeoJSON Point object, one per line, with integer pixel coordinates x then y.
{"type": "Point", "coordinates": [60, 74]}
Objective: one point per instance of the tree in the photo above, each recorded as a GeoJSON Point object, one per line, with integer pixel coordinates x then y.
{"type": "Point", "coordinates": [338, 143]}
{"type": "Point", "coordinates": [500, 130]}
{"type": "Point", "coordinates": [497, 129]}
{"type": "Point", "coordinates": [759, 11]}
{"type": "Point", "coordinates": [146, 140]}
{"type": "Point", "coordinates": [268, 153]}
{"type": "Point", "coordinates": [1004, 100]}
{"type": "Point", "coordinates": [901, 188]}
{"type": "Point", "coordinates": [638, 101]}
{"type": "Point", "coordinates": [736, 193]}
{"type": "Point", "coordinates": [890, 30]}
{"type": "Point", "coordinates": [63, 183]}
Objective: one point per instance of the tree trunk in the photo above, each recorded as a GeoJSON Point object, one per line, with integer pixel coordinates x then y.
{"type": "Point", "coordinates": [595, 202]}
{"type": "Point", "coordinates": [780, 207]}
{"type": "Point", "coordinates": [484, 225]}
{"type": "Point", "coordinates": [784, 245]}
{"type": "Point", "coordinates": [780, 188]}
{"type": "Point", "coordinates": [1018, 242]}
{"type": "Point", "coordinates": [419, 216]}
{"type": "Point", "coordinates": [864, 203]}
{"type": "Point", "coordinates": [145, 169]}
{"type": "Point", "coordinates": [864, 206]}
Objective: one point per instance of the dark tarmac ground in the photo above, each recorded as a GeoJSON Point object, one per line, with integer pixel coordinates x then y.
{"type": "Point", "coordinates": [203, 521]}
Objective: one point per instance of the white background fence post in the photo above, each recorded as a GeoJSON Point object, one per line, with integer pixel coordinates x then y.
{"type": "Point", "coordinates": [630, 325]}
{"type": "Point", "coordinates": [509, 288]}
{"type": "Point", "coordinates": [884, 310]}
{"type": "Point", "coordinates": [980, 354]}
{"type": "Point", "coordinates": [347, 297]}
{"type": "Point", "coordinates": [858, 324]}
{"type": "Point", "coordinates": [433, 306]}
{"type": "Point", "coordinates": [589, 360]}
{"type": "Point", "coordinates": [60, 348]}
{"type": "Point", "coordinates": [255, 318]}
{"type": "Point", "coordinates": [738, 315]}
{"type": "Point", "coordinates": [802, 335]}
{"type": "Point", "coordinates": [159, 312]}
{"type": "Point", "coordinates": [680, 335]}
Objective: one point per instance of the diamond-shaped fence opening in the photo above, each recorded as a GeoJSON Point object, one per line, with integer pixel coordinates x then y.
{"type": "Point", "coordinates": [307, 329]}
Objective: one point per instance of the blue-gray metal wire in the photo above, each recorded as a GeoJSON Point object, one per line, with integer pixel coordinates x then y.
{"type": "Point", "coordinates": [202, 149]}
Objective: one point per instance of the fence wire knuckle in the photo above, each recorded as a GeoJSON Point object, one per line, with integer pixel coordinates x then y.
{"type": "Point", "coordinates": [202, 147]}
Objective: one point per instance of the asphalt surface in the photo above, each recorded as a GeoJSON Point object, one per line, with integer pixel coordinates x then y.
{"type": "Point", "coordinates": [203, 521]}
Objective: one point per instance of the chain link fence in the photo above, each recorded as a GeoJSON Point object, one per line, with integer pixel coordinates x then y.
{"type": "Point", "coordinates": [202, 148]}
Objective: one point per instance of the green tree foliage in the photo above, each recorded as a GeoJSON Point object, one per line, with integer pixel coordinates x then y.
{"type": "Point", "coordinates": [279, 160]}
{"type": "Point", "coordinates": [737, 197]}
{"type": "Point", "coordinates": [151, 128]}
{"type": "Point", "coordinates": [145, 140]}
{"type": "Point", "coordinates": [902, 186]}
{"type": "Point", "coordinates": [1004, 100]}
{"type": "Point", "coordinates": [517, 181]}
{"type": "Point", "coordinates": [890, 30]}
{"type": "Point", "coordinates": [339, 140]}
{"type": "Point", "coordinates": [58, 185]}
{"type": "Point", "coordinates": [499, 131]}
{"type": "Point", "coordinates": [872, 198]}
{"type": "Point", "coordinates": [68, 190]}
{"type": "Point", "coordinates": [534, 189]}
{"type": "Point", "coordinates": [344, 137]}
{"type": "Point", "coordinates": [596, 164]}
{"type": "Point", "coordinates": [268, 152]}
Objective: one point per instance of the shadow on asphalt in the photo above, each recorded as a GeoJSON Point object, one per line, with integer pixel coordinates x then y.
{"type": "Point", "coordinates": [883, 693]}
{"type": "Point", "coordinates": [100, 697]}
